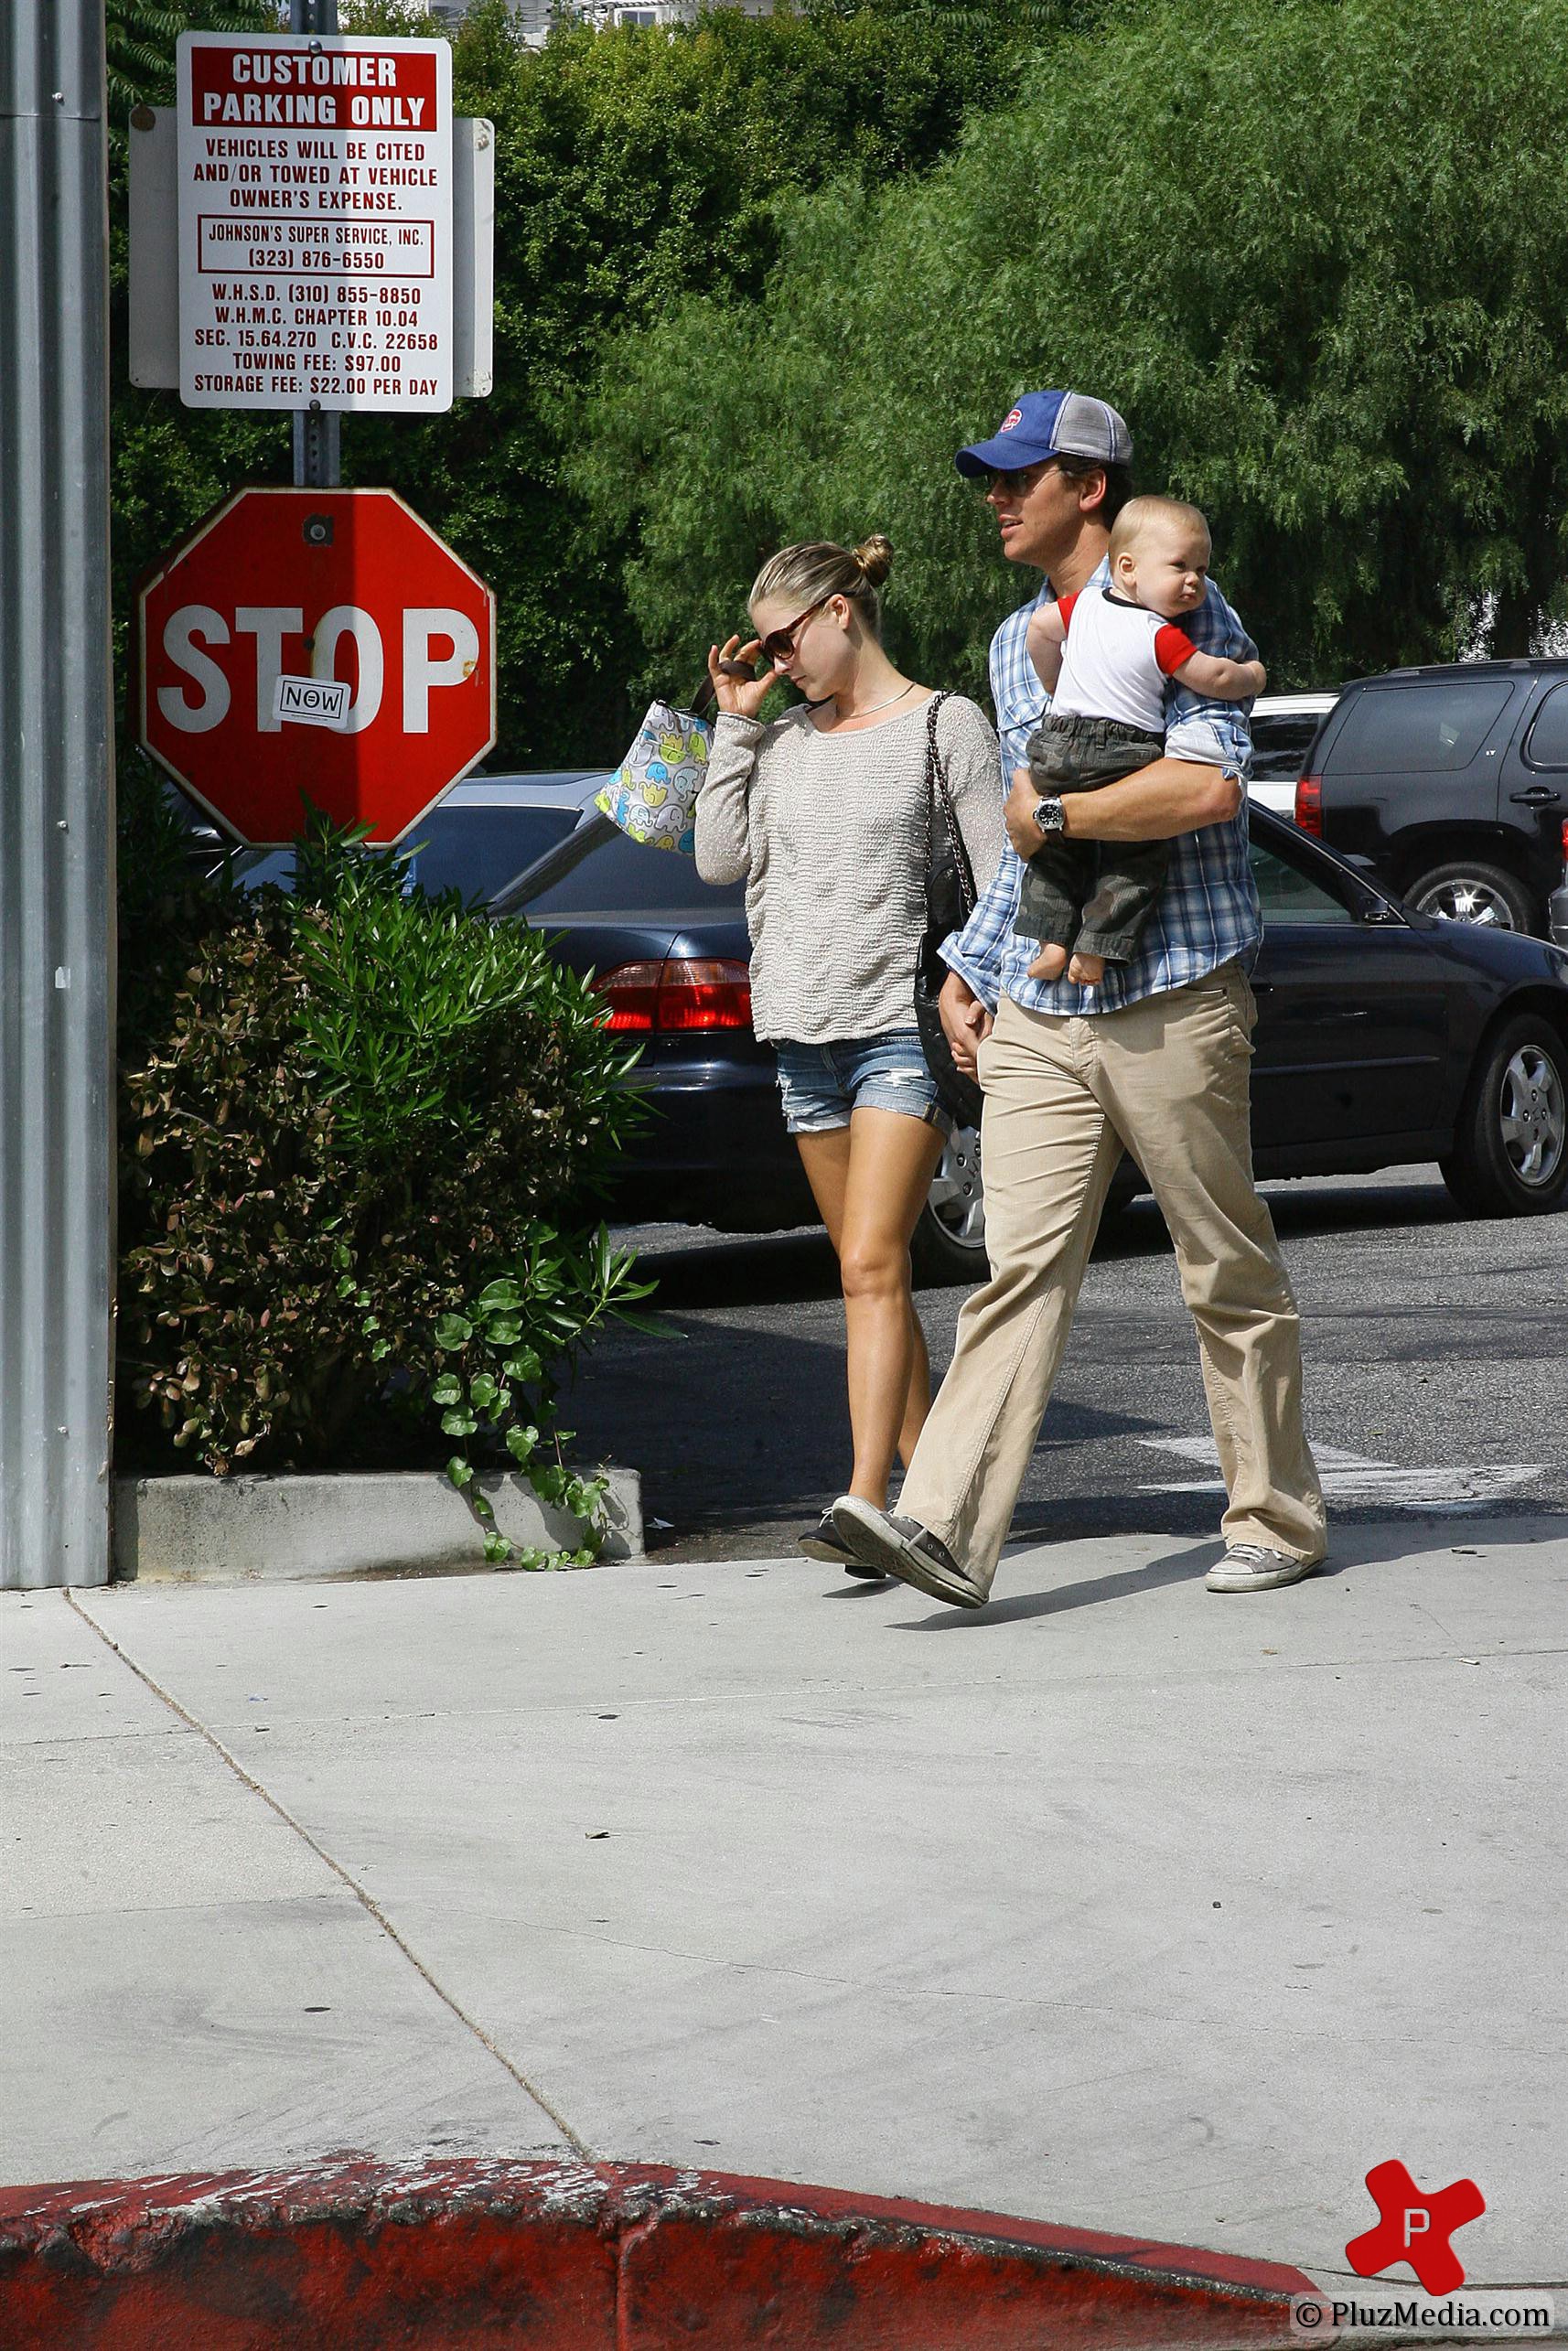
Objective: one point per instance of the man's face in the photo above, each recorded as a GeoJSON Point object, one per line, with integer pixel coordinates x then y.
{"type": "Point", "coordinates": [1040, 512]}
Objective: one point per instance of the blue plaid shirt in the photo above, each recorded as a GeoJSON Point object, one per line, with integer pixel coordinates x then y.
{"type": "Point", "coordinates": [1207, 913]}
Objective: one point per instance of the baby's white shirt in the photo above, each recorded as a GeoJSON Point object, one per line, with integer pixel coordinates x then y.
{"type": "Point", "coordinates": [1116, 659]}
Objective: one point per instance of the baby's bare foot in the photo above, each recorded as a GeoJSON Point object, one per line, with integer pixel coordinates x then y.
{"type": "Point", "coordinates": [1087, 969]}
{"type": "Point", "coordinates": [1049, 963]}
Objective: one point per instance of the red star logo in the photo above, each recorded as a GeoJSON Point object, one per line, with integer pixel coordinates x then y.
{"type": "Point", "coordinates": [1415, 2228]}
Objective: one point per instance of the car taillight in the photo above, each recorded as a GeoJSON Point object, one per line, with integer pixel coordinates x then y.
{"type": "Point", "coordinates": [704, 996]}
{"type": "Point", "coordinates": [632, 995]}
{"type": "Point", "coordinates": [1565, 843]}
{"type": "Point", "coordinates": [1309, 805]}
{"type": "Point", "coordinates": [681, 993]}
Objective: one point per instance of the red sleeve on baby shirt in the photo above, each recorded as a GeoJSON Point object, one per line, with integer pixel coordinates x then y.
{"type": "Point", "coordinates": [1173, 646]}
{"type": "Point", "coordinates": [1064, 605]}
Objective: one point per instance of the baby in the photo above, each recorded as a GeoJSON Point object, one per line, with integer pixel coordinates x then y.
{"type": "Point", "coordinates": [1109, 655]}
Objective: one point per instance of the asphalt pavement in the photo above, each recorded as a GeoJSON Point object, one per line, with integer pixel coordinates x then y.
{"type": "Point", "coordinates": [1436, 1347]}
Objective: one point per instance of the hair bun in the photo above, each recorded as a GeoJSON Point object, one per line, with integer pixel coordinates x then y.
{"type": "Point", "coordinates": [875, 557]}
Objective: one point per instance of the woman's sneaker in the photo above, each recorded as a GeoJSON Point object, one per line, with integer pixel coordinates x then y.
{"type": "Point", "coordinates": [824, 1541]}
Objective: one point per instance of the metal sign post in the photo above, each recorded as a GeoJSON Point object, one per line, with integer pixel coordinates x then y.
{"type": "Point", "coordinates": [57, 800]}
{"type": "Point", "coordinates": [318, 436]}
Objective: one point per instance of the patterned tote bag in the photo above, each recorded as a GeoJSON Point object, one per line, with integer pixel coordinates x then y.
{"type": "Point", "coordinates": [654, 793]}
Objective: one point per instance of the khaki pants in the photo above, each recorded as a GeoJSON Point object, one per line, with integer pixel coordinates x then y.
{"type": "Point", "coordinates": [1169, 1077]}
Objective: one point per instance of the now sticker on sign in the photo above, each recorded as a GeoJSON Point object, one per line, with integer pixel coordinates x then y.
{"type": "Point", "coordinates": [311, 702]}
{"type": "Point", "coordinates": [320, 645]}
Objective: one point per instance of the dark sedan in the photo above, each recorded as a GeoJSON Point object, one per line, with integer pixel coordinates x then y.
{"type": "Point", "coordinates": [1384, 1038]}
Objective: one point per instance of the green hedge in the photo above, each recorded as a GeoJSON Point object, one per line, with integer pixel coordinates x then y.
{"type": "Point", "coordinates": [360, 1138]}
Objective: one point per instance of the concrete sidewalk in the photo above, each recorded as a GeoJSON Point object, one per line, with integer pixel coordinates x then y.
{"type": "Point", "coordinates": [1120, 1904]}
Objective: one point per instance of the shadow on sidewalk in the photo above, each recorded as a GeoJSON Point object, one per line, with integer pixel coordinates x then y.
{"type": "Point", "coordinates": [742, 1435]}
{"type": "Point", "coordinates": [1353, 1547]}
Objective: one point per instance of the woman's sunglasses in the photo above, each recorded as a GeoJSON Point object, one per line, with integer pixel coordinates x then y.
{"type": "Point", "coordinates": [780, 643]}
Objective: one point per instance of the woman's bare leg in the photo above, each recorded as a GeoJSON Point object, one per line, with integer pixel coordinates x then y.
{"type": "Point", "coordinates": [869, 1181]}
{"type": "Point", "coordinates": [825, 1158]}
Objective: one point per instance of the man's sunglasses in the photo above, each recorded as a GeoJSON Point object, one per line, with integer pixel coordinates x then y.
{"type": "Point", "coordinates": [780, 643]}
{"type": "Point", "coordinates": [1017, 484]}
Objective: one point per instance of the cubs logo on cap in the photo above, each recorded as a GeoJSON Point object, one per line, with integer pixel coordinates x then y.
{"type": "Point", "coordinates": [1043, 424]}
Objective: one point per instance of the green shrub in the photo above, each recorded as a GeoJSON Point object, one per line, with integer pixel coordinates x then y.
{"type": "Point", "coordinates": [359, 1132]}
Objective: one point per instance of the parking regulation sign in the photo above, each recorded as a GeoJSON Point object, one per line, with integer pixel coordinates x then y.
{"type": "Point", "coordinates": [314, 223]}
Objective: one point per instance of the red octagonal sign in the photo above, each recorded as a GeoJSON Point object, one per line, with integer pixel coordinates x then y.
{"type": "Point", "coordinates": [281, 592]}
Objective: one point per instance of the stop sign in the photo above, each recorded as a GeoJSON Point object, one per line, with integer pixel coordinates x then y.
{"type": "Point", "coordinates": [316, 584]}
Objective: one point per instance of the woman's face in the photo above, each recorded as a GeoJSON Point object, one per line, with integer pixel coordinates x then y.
{"type": "Point", "coordinates": [821, 648]}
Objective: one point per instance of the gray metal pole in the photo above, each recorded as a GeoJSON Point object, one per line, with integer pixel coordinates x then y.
{"type": "Point", "coordinates": [318, 443]}
{"type": "Point", "coordinates": [57, 800]}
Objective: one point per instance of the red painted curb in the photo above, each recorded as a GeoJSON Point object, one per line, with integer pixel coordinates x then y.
{"type": "Point", "coordinates": [356, 2256]}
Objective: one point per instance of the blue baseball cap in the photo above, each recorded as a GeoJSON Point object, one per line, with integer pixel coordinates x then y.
{"type": "Point", "coordinates": [1043, 424]}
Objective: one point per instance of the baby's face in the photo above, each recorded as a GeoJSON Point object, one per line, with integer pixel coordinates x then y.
{"type": "Point", "coordinates": [1166, 569]}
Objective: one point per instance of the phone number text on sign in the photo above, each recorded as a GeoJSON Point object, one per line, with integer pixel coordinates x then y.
{"type": "Point", "coordinates": [314, 223]}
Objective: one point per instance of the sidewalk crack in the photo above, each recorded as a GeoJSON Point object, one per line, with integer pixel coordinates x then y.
{"type": "Point", "coordinates": [362, 1895]}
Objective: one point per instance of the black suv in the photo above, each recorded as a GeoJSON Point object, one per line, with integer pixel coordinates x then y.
{"type": "Point", "coordinates": [1454, 783]}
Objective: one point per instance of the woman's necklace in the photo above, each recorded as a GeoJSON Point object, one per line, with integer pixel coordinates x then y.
{"type": "Point", "coordinates": [882, 705]}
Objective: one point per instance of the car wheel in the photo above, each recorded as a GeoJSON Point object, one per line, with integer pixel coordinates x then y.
{"type": "Point", "coordinates": [1511, 1150]}
{"type": "Point", "coordinates": [1470, 891]}
{"type": "Point", "coordinates": [949, 1243]}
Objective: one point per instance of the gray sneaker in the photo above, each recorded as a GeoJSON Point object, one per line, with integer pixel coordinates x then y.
{"type": "Point", "coordinates": [823, 1540]}
{"type": "Point", "coordinates": [902, 1547]}
{"type": "Point", "coordinates": [1252, 1567]}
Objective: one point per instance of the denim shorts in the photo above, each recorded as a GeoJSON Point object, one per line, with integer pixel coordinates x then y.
{"type": "Point", "coordinates": [821, 1084]}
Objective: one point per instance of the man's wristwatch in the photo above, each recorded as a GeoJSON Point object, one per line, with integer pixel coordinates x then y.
{"type": "Point", "coordinates": [1049, 816]}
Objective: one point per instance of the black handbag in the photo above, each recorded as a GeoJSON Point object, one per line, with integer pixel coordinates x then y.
{"type": "Point", "coordinates": [950, 902]}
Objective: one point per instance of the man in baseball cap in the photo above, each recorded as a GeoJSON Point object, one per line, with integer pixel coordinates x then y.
{"type": "Point", "coordinates": [1154, 1058]}
{"type": "Point", "coordinates": [1043, 424]}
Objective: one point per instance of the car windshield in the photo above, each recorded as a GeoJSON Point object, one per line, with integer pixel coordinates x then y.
{"type": "Point", "coordinates": [602, 872]}
{"type": "Point", "coordinates": [1280, 744]}
{"type": "Point", "coordinates": [475, 850]}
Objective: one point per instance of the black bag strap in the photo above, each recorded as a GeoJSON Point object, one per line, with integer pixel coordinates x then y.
{"type": "Point", "coordinates": [938, 794]}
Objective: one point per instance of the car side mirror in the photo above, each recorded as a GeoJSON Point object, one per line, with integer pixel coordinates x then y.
{"type": "Point", "coordinates": [1372, 906]}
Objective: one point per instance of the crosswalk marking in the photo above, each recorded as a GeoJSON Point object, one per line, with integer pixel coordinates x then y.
{"type": "Point", "coordinates": [1351, 1478]}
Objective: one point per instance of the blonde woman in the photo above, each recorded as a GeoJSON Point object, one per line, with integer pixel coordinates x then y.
{"type": "Point", "coordinates": [824, 814]}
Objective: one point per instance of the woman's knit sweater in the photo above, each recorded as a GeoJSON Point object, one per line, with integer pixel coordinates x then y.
{"type": "Point", "coordinates": [830, 833]}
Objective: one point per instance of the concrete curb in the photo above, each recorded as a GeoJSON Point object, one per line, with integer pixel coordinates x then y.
{"type": "Point", "coordinates": [354, 2256]}
{"type": "Point", "coordinates": [289, 1530]}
